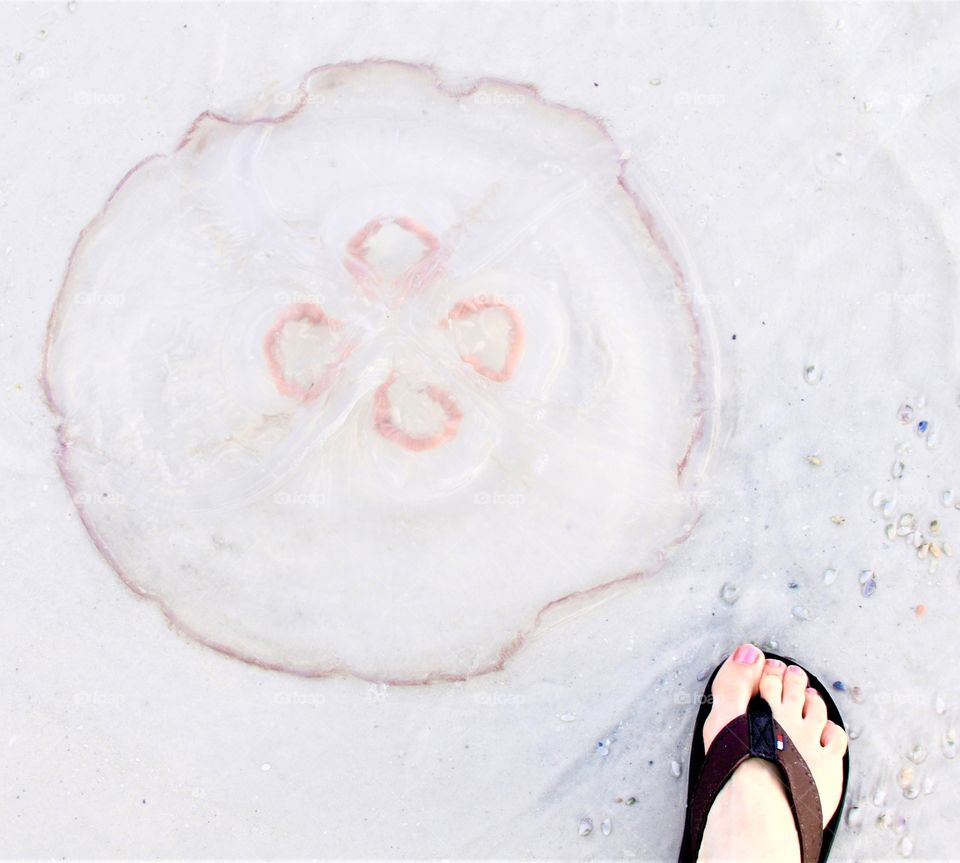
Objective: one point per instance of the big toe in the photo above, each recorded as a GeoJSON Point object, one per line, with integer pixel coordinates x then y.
{"type": "Point", "coordinates": [736, 683]}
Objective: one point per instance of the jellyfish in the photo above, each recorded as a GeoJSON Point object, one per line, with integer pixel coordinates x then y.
{"type": "Point", "coordinates": [371, 380]}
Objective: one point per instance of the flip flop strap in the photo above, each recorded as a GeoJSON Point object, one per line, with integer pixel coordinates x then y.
{"type": "Point", "coordinates": [756, 734]}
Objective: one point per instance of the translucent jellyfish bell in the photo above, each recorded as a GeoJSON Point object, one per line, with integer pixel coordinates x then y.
{"type": "Point", "coordinates": [367, 386]}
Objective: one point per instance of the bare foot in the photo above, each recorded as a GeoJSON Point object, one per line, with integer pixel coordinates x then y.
{"type": "Point", "coordinates": [751, 818]}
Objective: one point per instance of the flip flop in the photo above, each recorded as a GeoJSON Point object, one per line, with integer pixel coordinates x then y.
{"type": "Point", "coordinates": [757, 734]}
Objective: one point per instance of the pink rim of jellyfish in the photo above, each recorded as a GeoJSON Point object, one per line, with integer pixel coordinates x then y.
{"type": "Point", "coordinates": [384, 424]}
{"type": "Point", "coordinates": [416, 277]}
{"type": "Point", "coordinates": [287, 386]}
{"type": "Point", "coordinates": [510, 648]}
{"type": "Point", "coordinates": [467, 309]}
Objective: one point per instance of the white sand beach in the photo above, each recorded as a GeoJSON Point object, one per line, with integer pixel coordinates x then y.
{"type": "Point", "coordinates": [795, 479]}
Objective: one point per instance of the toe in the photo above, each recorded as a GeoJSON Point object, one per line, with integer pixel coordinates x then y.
{"type": "Point", "coordinates": [794, 687]}
{"type": "Point", "coordinates": [814, 707]}
{"type": "Point", "coordinates": [732, 688]}
{"type": "Point", "coordinates": [736, 681]}
{"type": "Point", "coordinates": [771, 681]}
{"type": "Point", "coordinates": [834, 738]}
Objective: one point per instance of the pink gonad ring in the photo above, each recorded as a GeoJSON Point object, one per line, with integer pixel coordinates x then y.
{"type": "Point", "coordinates": [379, 376]}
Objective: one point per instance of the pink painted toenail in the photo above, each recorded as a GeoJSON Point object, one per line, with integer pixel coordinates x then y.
{"type": "Point", "coordinates": [795, 669]}
{"type": "Point", "coordinates": [746, 654]}
{"type": "Point", "coordinates": [773, 664]}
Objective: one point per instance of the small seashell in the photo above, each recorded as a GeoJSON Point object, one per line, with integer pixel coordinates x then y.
{"type": "Point", "coordinates": [811, 374]}
{"type": "Point", "coordinates": [865, 576]}
{"type": "Point", "coordinates": [771, 644]}
{"type": "Point", "coordinates": [877, 499]}
{"type": "Point", "coordinates": [928, 785]}
{"type": "Point", "coordinates": [932, 566]}
{"type": "Point", "coordinates": [905, 413]}
{"type": "Point", "coordinates": [918, 754]}
{"type": "Point", "coordinates": [916, 538]}
{"type": "Point", "coordinates": [932, 439]}
{"type": "Point", "coordinates": [935, 526]}
{"type": "Point", "coordinates": [903, 531]}
{"type": "Point", "coordinates": [947, 498]}
{"type": "Point", "coordinates": [905, 777]}
{"type": "Point", "coordinates": [934, 549]}
{"type": "Point", "coordinates": [829, 576]}
{"type": "Point", "coordinates": [905, 847]}
{"type": "Point", "coordinates": [949, 743]}
{"type": "Point", "coordinates": [606, 827]}
{"type": "Point", "coordinates": [630, 801]}
{"type": "Point", "coordinates": [947, 549]}
{"type": "Point", "coordinates": [880, 796]}
{"type": "Point", "coordinates": [899, 824]}
{"type": "Point", "coordinates": [585, 828]}
{"type": "Point", "coordinates": [856, 693]}
{"type": "Point", "coordinates": [897, 470]}
{"type": "Point", "coordinates": [888, 508]}
{"type": "Point", "coordinates": [603, 747]}
{"type": "Point", "coordinates": [911, 792]}
{"type": "Point", "coordinates": [568, 717]}
{"type": "Point", "coordinates": [675, 769]}
{"type": "Point", "coordinates": [939, 705]}
{"type": "Point", "coordinates": [885, 818]}
{"type": "Point", "coordinates": [815, 460]}
{"type": "Point", "coordinates": [729, 593]}
{"type": "Point", "coordinates": [869, 587]}
{"type": "Point", "coordinates": [923, 551]}
{"type": "Point", "coordinates": [853, 732]}
{"type": "Point", "coordinates": [854, 816]}
{"type": "Point", "coordinates": [839, 685]}
{"type": "Point", "coordinates": [801, 613]}
{"type": "Point", "coordinates": [908, 519]}
{"type": "Point", "coordinates": [922, 427]}
{"type": "Point", "coordinates": [891, 531]}
{"type": "Point", "coordinates": [839, 519]}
